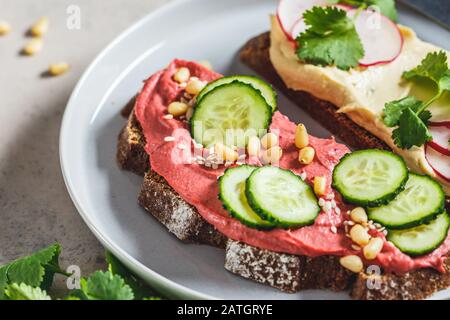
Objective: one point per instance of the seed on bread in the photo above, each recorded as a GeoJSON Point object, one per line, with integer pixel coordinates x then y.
{"type": "Point", "coordinates": [269, 140]}
{"type": "Point", "coordinates": [352, 263]}
{"type": "Point", "coordinates": [320, 185]}
{"type": "Point", "coordinates": [359, 215]}
{"type": "Point", "coordinates": [359, 235]}
{"type": "Point", "coordinates": [182, 75]}
{"type": "Point", "coordinates": [5, 28]}
{"type": "Point", "coordinates": [272, 155]}
{"type": "Point", "coordinates": [373, 248]}
{"type": "Point", "coordinates": [177, 108]}
{"type": "Point", "coordinates": [301, 136]}
{"type": "Point", "coordinates": [306, 155]}
{"type": "Point", "coordinates": [253, 146]}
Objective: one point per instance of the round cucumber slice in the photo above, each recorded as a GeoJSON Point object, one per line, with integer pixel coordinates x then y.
{"type": "Point", "coordinates": [370, 177]}
{"type": "Point", "coordinates": [422, 239]}
{"type": "Point", "coordinates": [421, 201]}
{"type": "Point", "coordinates": [230, 114]}
{"type": "Point", "coordinates": [266, 89]}
{"type": "Point", "coordinates": [232, 195]}
{"type": "Point", "coordinates": [280, 196]}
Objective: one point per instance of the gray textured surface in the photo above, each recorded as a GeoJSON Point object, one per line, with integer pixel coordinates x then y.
{"type": "Point", "coordinates": [35, 209]}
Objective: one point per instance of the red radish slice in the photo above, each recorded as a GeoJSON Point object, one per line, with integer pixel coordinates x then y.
{"type": "Point", "coordinates": [300, 26]}
{"type": "Point", "coordinates": [441, 136]}
{"type": "Point", "coordinates": [440, 123]}
{"type": "Point", "coordinates": [381, 38]}
{"type": "Point", "coordinates": [439, 162]}
{"type": "Point", "coordinates": [290, 11]}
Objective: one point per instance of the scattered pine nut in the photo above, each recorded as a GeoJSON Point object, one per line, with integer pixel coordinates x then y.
{"type": "Point", "coordinates": [182, 75]}
{"type": "Point", "coordinates": [253, 146]}
{"type": "Point", "coordinates": [373, 248]}
{"type": "Point", "coordinates": [301, 137]}
{"type": "Point", "coordinates": [34, 46]}
{"type": "Point", "coordinates": [272, 155]}
{"type": "Point", "coordinates": [57, 69]}
{"type": "Point", "coordinates": [177, 108]}
{"type": "Point", "coordinates": [320, 185]}
{"type": "Point", "coordinates": [226, 153]}
{"type": "Point", "coordinates": [269, 140]}
{"type": "Point", "coordinates": [352, 263]}
{"type": "Point", "coordinates": [359, 235]}
{"type": "Point", "coordinates": [5, 28]}
{"type": "Point", "coordinates": [40, 27]}
{"type": "Point", "coordinates": [194, 86]}
{"type": "Point", "coordinates": [306, 155]}
{"type": "Point", "coordinates": [359, 215]}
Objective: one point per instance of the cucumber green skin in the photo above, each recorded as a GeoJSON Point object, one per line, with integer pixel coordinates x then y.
{"type": "Point", "coordinates": [376, 202]}
{"type": "Point", "coordinates": [410, 224]}
{"type": "Point", "coordinates": [244, 79]}
{"type": "Point", "coordinates": [250, 87]}
{"type": "Point", "coordinates": [266, 215]}
{"type": "Point", "coordinates": [235, 214]}
{"type": "Point", "coordinates": [424, 251]}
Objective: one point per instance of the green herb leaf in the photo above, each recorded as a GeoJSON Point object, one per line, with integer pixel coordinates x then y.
{"type": "Point", "coordinates": [394, 109]}
{"type": "Point", "coordinates": [25, 292]}
{"type": "Point", "coordinates": [117, 268]}
{"type": "Point", "coordinates": [331, 39]}
{"type": "Point", "coordinates": [36, 270]}
{"type": "Point", "coordinates": [411, 131]}
{"type": "Point", "coordinates": [105, 286]}
{"type": "Point", "coordinates": [433, 66]}
{"type": "Point", "coordinates": [386, 7]}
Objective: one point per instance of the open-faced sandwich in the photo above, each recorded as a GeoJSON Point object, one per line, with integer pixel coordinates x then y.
{"type": "Point", "coordinates": [223, 167]}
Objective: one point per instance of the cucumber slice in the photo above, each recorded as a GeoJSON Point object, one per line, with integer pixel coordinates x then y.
{"type": "Point", "coordinates": [232, 195]}
{"type": "Point", "coordinates": [370, 177]}
{"type": "Point", "coordinates": [266, 89]}
{"type": "Point", "coordinates": [423, 239]}
{"type": "Point", "coordinates": [280, 196]}
{"type": "Point", "coordinates": [230, 114]}
{"type": "Point", "coordinates": [421, 201]}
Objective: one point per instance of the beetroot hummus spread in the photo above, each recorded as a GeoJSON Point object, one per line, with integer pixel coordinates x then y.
{"type": "Point", "coordinates": [197, 184]}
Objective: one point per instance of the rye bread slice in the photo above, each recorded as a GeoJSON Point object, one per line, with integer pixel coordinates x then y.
{"type": "Point", "coordinates": [289, 273]}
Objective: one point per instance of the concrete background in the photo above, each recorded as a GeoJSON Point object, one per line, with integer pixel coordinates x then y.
{"type": "Point", "coordinates": [35, 208]}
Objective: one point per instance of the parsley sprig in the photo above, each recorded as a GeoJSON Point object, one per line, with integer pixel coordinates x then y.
{"type": "Point", "coordinates": [409, 115]}
{"type": "Point", "coordinates": [330, 39]}
{"type": "Point", "coordinates": [31, 277]}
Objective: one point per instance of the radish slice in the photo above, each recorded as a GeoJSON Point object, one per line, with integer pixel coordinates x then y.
{"type": "Point", "coordinates": [290, 11]}
{"type": "Point", "coordinates": [439, 162]}
{"type": "Point", "coordinates": [440, 123]}
{"type": "Point", "coordinates": [381, 38]}
{"type": "Point", "coordinates": [441, 136]}
{"type": "Point", "coordinates": [300, 26]}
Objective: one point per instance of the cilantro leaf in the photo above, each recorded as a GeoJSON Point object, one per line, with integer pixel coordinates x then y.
{"type": "Point", "coordinates": [117, 268]}
{"type": "Point", "coordinates": [394, 109]}
{"type": "Point", "coordinates": [331, 39]}
{"type": "Point", "coordinates": [411, 131]}
{"type": "Point", "coordinates": [36, 270]}
{"type": "Point", "coordinates": [433, 66]}
{"type": "Point", "coordinates": [386, 7]}
{"type": "Point", "coordinates": [105, 286]}
{"type": "Point", "coordinates": [24, 292]}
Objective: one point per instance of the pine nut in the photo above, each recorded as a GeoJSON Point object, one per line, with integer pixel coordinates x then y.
{"type": "Point", "coordinates": [320, 185]}
{"type": "Point", "coordinates": [182, 75]}
{"type": "Point", "coordinates": [34, 46]}
{"type": "Point", "coordinates": [57, 69]}
{"type": "Point", "coordinates": [359, 215]}
{"type": "Point", "coordinates": [352, 263]}
{"type": "Point", "coordinates": [226, 153]}
{"type": "Point", "coordinates": [306, 155]}
{"type": "Point", "coordinates": [269, 140]}
{"type": "Point", "coordinates": [254, 146]}
{"type": "Point", "coordinates": [372, 249]}
{"type": "Point", "coordinates": [40, 27]}
{"type": "Point", "coordinates": [5, 28]}
{"type": "Point", "coordinates": [272, 155]}
{"type": "Point", "coordinates": [301, 136]}
{"type": "Point", "coordinates": [359, 235]}
{"type": "Point", "coordinates": [177, 108]}
{"type": "Point", "coordinates": [194, 86]}
{"type": "Point", "coordinates": [206, 64]}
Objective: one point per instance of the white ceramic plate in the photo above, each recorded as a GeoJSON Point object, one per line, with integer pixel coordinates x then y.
{"type": "Point", "coordinates": [106, 196]}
